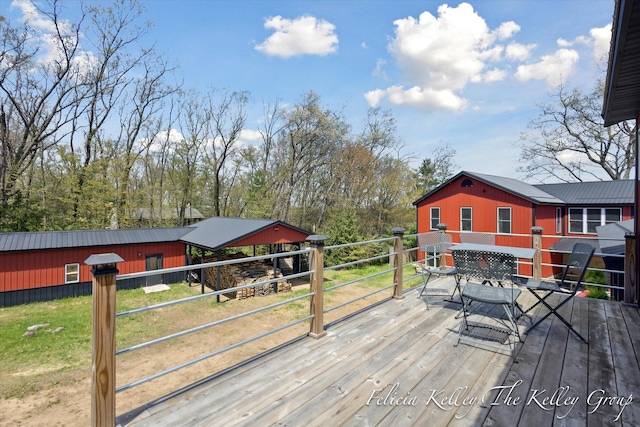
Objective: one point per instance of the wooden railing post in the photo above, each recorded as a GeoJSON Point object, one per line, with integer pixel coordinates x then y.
{"type": "Point", "coordinates": [631, 291]}
{"type": "Point", "coordinates": [442, 229]}
{"type": "Point", "coordinates": [536, 243]}
{"type": "Point", "coordinates": [398, 261]}
{"type": "Point", "coordinates": [317, 286]}
{"type": "Point", "coordinates": [103, 341]}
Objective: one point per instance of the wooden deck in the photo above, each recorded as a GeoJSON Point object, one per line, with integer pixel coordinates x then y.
{"type": "Point", "coordinates": [397, 364]}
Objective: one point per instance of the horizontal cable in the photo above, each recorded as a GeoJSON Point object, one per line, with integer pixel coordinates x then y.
{"type": "Point", "coordinates": [359, 298]}
{"type": "Point", "coordinates": [208, 295]}
{"type": "Point", "coordinates": [335, 267]}
{"type": "Point", "coordinates": [360, 279]}
{"type": "Point", "coordinates": [210, 264]}
{"type": "Point", "coordinates": [209, 325]}
{"type": "Point", "coordinates": [344, 245]}
{"type": "Point", "coordinates": [206, 356]}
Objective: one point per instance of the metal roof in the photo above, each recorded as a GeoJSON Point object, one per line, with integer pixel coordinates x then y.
{"type": "Point", "coordinates": [218, 232]}
{"type": "Point", "coordinates": [25, 241]}
{"type": "Point", "coordinates": [565, 245]}
{"type": "Point", "coordinates": [622, 86]}
{"type": "Point", "coordinates": [510, 185]}
{"type": "Point", "coordinates": [213, 233]}
{"type": "Point", "coordinates": [618, 192]}
{"type": "Point", "coordinates": [517, 187]}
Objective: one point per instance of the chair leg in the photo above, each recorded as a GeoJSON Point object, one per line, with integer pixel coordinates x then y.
{"type": "Point", "coordinates": [554, 311]}
{"type": "Point", "coordinates": [424, 288]}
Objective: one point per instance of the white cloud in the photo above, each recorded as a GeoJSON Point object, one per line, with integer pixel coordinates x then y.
{"type": "Point", "coordinates": [555, 69]}
{"type": "Point", "coordinates": [601, 42]}
{"type": "Point", "coordinates": [305, 35]}
{"type": "Point", "coordinates": [519, 52]}
{"type": "Point", "coordinates": [428, 99]}
{"type": "Point", "coordinates": [440, 55]}
{"type": "Point", "coordinates": [249, 136]}
{"type": "Point", "coordinates": [494, 75]}
{"type": "Point", "coordinates": [507, 30]}
{"type": "Point", "coordinates": [48, 40]}
{"type": "Point", "coordinates": [379, 70]}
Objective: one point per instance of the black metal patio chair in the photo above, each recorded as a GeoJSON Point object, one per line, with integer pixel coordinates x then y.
{"type": "Point", "coordinates": [488, 267]}
{"type": "Point", "coordinates": [434, 246]}
{"type": "Point", "coordinates": [579, 260]}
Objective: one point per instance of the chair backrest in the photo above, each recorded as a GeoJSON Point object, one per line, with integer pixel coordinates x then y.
{"type": "Point", "coordinates": [434, 242]}
{"type": "Point", "coordinates": [481, 238]}
{"type": "Point", "coordinates": [484, 265]}
{"type": "Point", "coordinates": [579, 260]}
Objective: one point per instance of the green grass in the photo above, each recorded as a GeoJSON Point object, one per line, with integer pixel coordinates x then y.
{"type": "Point", "coordinates": [27, 361]}
{"type": "Point", "coordinates": [30, 364]}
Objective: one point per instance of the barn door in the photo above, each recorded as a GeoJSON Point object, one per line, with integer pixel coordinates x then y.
{"type": "Point", "coordinates": [154, 262]}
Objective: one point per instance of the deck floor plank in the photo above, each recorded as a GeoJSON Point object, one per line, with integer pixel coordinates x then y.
{"type": "Point", "coordinates": [400, 347]}
{"type": "Point", "coordinates": [601, 368]}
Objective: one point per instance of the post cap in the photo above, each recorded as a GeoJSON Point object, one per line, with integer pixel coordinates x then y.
{"type": "Point", "coordinates": [536, 229]}
{"type": "Point", "coordinates": [397, 230]}
{"type": "Point", "coordinates": [102, 259]}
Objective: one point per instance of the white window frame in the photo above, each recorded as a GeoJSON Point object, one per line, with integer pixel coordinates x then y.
{"type": "Point", "coordinates": [585, 222]}
{"type": "Point", "coordinates": [498, 221]}
{"type": "Point", "coordinates": [431, 217]}
{"type": "Point", "coordinates": [470, 219]}
{"type": "Point", "coordinates": [558, 220]}
{"type": "Point", "coordinates": [75, 273]}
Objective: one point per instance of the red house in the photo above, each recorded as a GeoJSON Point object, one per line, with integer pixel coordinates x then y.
{"type": "Point", "coordinates": [510, 208]}
{"type": "Point", "coordinates": [42, 266]}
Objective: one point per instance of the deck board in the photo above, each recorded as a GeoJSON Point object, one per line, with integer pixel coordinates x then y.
{"type": "Point", "coordinates": [401, 349]}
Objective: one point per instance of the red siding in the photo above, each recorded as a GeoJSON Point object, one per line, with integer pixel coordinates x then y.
{"type": "Point", "coordinates": [24, 270]}
{"type": "Point", "coordinates": [274, 234]}
{"type": "Point", "coordinates": [483, 199]}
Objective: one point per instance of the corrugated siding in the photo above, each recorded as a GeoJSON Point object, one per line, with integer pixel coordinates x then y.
{"type": "Point", "coordinates": [483, 199]}
{"type": "Point", "coordinates": [274, 234]}
{"type": "Point", "coordinates": [35, 269]}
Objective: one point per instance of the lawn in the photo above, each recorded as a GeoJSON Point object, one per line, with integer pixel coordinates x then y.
{"type": "Point", "coordinates": [54, 361]}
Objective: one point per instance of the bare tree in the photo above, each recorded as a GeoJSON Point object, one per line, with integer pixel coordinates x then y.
{"type": "Point", "coordinates": [569, 142]}
{"type": "Point", "coordinates": [40, 86]}
{"type": "Point", "coordinates": [227, 117]}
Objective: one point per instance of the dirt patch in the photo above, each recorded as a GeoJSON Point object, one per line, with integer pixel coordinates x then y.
{"type": "Point", "coordinates": [66, 401]}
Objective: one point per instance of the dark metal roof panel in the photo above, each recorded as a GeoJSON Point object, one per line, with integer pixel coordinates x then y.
{"type": "Point", "coordinates": [26, 241]}
{"type": "Point", "coordinates": [218, 232]}
{"type": "Point", "coordinates": [619, 192]}
{"type": "Point", "coordinates": [518, 188]}
{"type": "Point", "coordinates": [565, 245]}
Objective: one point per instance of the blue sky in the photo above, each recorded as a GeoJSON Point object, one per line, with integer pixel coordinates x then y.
{"type": "Point", "coordinates": [465, 74]}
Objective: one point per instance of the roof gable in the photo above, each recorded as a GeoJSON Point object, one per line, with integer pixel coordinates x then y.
{"type": "Point", "coordinates": [509, 185]}
{"type": "Point", "coordinates": [219, 232]}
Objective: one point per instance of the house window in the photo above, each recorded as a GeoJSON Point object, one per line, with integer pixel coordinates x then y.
{"type": "Point", "coordinates": [504, 220]}
{"type": "Point", "coordinates": [72, 273]}
{"type": "Point", "coordinates": [465, 219]}
{"type": "Point", "coordinates": [585, 220]}
{"type": "Point", "coordinates": [558, 220]}
{"type": "Point", "coordinates": [435, 218]}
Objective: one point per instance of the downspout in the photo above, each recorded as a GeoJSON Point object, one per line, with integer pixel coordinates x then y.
{"type": "Point", "coordinates": [636, 222]}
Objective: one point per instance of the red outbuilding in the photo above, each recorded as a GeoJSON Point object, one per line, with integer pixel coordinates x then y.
{"type": "Point", "coordinates": [42, 266]}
